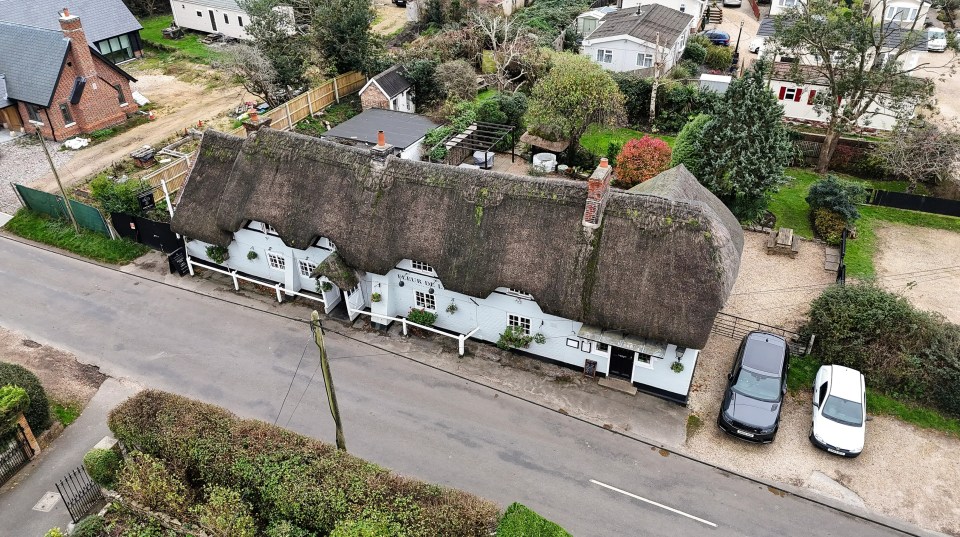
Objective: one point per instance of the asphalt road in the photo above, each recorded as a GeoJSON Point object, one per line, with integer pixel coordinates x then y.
{"type": "Point", "coordinates": [403, 415]}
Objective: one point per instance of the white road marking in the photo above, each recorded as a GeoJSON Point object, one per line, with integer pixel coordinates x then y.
{"type": "Point", "coordinates": [651, 502]}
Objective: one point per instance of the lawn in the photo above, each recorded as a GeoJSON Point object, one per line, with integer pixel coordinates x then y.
{"type": "Point", "coordinates": [66, 413]}
{"type": "Point", "coordinates": [189, 47]}
{"type": "Point", "coordinates": [597, 139]}
{"type": "Point", "coordinates": [60, 233]}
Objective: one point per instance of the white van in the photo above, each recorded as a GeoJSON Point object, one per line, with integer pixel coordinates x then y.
{"type": "Point", "coordinates": [936, 40]}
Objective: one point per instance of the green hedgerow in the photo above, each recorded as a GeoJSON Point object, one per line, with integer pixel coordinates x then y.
{"type": "Point", "coordinates": [225, 513]}
{"type": "Point", "coordinates": [103, 465]}
{"type": "Point", "coordinates": [38, 412]}
{"type": "Point", "coordinates": [521, 521]}
{"type": "Point", "coordinates": [151, 483]}
{"type": "Point", "coordinates": [829, 225]}
{"type": "Point", "coordinates": [13, 401]}
{"type": "Point", "coordinates": [91, 526]}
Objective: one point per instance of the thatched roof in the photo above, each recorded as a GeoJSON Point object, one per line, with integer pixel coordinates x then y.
{"type": "Point", "coordinates": [337, 271]}
{"type": "Point", "coordinates": [660, 266]}
{"type": "Point", "coordinates": [549, 145]}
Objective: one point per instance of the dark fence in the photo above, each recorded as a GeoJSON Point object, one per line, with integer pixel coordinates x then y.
{"type": "Point", "coordinates": [810, 145]}
{"type": "Point", "coordinates": [156, 235]}
{"type": "Point", "coordinates": [80, 494]}
{"type": "Point", "coordinates": [914, 202]}
{"type": "Point", "coordinates": [88, 217]}
{"type": "Point", "coordinates": [736, 328]}
{"type": "Point", "coordinates": [842, 266]}
{"type": "Point", "coordinates": [15, 456]}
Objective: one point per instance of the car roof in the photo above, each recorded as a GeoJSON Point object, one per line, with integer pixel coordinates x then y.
{"type": "Point", "coordinates": [764, 352]}
{"type": "Point", "coordinates": [846, 383]}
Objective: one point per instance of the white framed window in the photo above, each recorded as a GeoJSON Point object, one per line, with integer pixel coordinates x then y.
{"type": "Point", "coordinates": [575, 343]}
{"type": "Point", "coordinates": [644, 60]}
{"type": "Point", "coordinates": [519, 294]}
{"type": "Point", "coordinates": [276, 261]}
{"type": "Point", "coordinates": [586, 346]}
{"type": "Point", "coordinates": [790, 94]}
{"type": "Point", "coordinates": [643, 360]}
{"type": "Point", "coordinates": [306, 267]}
{"type": "Point", "coordinates": [901, 14]}
{"type": "Point", "coordinates": [521, 322]}
{"type": "Point", "coordinates": [422, 267]}
{"type": "Point", "coordinates": [425, 300]}
{"type": "Point", "coordinates": [604, 56]}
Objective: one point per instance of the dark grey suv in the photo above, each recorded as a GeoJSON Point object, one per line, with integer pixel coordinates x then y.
{"type": "Point", "coordinates": [755, 388]}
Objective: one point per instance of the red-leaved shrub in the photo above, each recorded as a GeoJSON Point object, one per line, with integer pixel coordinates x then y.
{"type": "Point", "coordinates": [640, 160]}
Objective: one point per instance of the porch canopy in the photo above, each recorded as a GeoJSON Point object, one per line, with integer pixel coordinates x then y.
{"type": "Point", "coordinates": [618, 338]}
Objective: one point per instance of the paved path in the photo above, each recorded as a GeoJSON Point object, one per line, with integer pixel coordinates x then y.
{"type": "Point", "coordinates": [17, 516]}
{"type": "Point", "coordinates": [398, 413]}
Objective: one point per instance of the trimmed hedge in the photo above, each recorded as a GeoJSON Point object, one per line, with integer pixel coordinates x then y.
{"type": "Point", "coordinates": [103, 465]}
{"type": "Point", "coordinates": [13, 401]}
{"type": "Point", "coordinates": [521, 521]}
{"type": "Point", "coordinates": [289, 477]}
{"type": "Point", "coordinates": [38, 413]}
{"type": "Point", "coordinates": [91, 526]}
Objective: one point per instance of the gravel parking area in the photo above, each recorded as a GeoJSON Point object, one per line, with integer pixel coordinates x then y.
{"type": "Point", "coordinates": [22, 161]}
{"type": "Point", "coordinates": [904, 472]}
{"type": "Point", "coordinates": [923, 264]}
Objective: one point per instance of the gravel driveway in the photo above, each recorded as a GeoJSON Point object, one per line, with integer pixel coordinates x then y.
{"type": "Point", "coordinates": [22, 161]}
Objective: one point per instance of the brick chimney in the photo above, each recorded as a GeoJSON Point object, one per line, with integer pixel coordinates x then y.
{"type": "Point", "coordinates": [380, 151]}
{"type": "Point", "coordinates": [255, 122]}
{"type": "Point", "coordinates": [82, 58]}
{"type": "Point", "coordinates": [598, 189]}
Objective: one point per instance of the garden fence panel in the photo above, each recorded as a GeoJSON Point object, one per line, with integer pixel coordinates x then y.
{"type": "Point", "coordinates": [914, 202]}
{"type": "Point", "coordinates": [88, 217]}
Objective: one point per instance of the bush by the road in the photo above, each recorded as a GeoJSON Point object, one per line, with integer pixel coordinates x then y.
{"type": "Point", "coordinates": [103, 465]}
{"type": "Point", "coordinates": [38, 411]}
{"type": "Point", "coordinates": [289, 477]}
{"type": "Point", "coordinates": [520, 521]}
{"type": "Point", "coordinates": [905, 353]}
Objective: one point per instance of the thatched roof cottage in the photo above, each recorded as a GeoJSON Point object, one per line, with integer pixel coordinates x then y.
{"type": "Point", "coordinates": [627, 279]}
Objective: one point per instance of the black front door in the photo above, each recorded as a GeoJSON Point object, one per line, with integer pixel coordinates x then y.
{"type": "Point", "coordinates": [621, 363]}
{"type": "Point", "coordinates": [213, 20]}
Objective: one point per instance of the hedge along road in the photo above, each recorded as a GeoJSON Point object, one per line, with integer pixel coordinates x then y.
{"type": "Point", "coordinates": [406, 416]}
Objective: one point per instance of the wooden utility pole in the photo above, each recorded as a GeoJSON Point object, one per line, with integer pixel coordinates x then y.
{"type": "Point", "coordinates": [317, 330]}
{"type": "Point", "coordinates": [53, 168]}
{"type": "Point", "coordinates": [656, 81]}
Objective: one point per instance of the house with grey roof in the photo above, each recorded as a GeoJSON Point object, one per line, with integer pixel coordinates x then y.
{"type": "Point", "coordinates": [637, 38]}
{"type": "Point", "coordinates": [59, 79]}
{"type": "Point", "coordinates": [108, 24]}
{"type": "Point", "coordinates": [389, 90]}
{"type": "Point", "coordinates": [623, 284]}
{"type": "Point", "coordinates": [405, 131]}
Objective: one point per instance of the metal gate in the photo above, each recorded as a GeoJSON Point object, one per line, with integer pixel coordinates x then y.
{"type": "Point", "coordinates": [15, 455]}
{"type": "Point", "coordinates": [735, 327]}
{"type": "Point", "coordinates": [156, 235]}
{"type": "Point", "coordinates": [80, 494]}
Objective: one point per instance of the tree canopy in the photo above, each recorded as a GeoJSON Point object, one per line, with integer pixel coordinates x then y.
{"type": "Point", "coordinates": [575, 93]}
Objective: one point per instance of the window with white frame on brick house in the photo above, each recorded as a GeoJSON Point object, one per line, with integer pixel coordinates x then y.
{"type": "Point", "coordinates": [306, 267]}
{"type": "Point", "coordinates": [605, 56]}
{"type": "Point", "coordinates": [520, 322]}
{"type": "Point", "coordinates": [425, 300]}
{"type": "Point", "coordinates": [276, 261]}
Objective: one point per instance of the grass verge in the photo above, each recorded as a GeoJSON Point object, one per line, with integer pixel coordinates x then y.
{"type": "Point", "coordinates": [190, 46]}
{"type": "Point", "coordinates": [803, 369]}
{"type": "Point", "coordinates": [521, 521]}
{"type": "Point", "coordinates": [789, 204]}
{"type": "Point", "coordinates": [597, 139]}
{"type": "Point", "coordinates": [66, 413]}
{"type": "Point", "coordinates": [60, 233]}
{"type": "Point", "coordinates": [878, 403]}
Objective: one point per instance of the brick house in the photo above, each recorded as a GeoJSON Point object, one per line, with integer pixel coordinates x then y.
{"type": "Point", "coordinates": [388, 90]}
{"type": "Point", "coordinates": [61, 80]}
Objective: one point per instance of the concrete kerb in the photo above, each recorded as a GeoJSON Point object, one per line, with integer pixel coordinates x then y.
{"type": "Point", "coordinates": [348, 332]}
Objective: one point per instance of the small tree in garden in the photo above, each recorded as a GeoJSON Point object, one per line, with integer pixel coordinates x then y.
{"type": "Point", "coordinates": [575, 93]}
{"type": "Point", "coordinates": [686, 148]}
{"type": "Point", "coordinates": [834, 205]}
{"type": "Point", "coordinates": [746, 146]}
{"type": "Point", "coordinates": [640, 160]}
{"type": "Point", "coordinates": [458, 80]}
{"type": "Point", "coordinates": [920, 150]}
{"type": "Point", "coordinates": [254, 71]}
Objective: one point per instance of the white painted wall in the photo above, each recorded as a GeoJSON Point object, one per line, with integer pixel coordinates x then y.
{"type": "Point", "coordinates": [414, 151]}
{"type": "Point", "coordinates": [625, 51]}
{"type": "Point", "coordinates": [878, 8]}
{"type": "Point", "coordinates": [185, 15]}
{"type": "Point", "coordinates": [878, 116]}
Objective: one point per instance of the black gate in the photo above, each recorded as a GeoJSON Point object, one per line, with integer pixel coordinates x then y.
{"type": "Point", "coordinates": [156, 235]}
{"type": "Point", "coordinates": [80, 494]}
{"type": "Point", "coordinates": [735, 327]}
{"type": "Point", "coordinates": [16, 454]}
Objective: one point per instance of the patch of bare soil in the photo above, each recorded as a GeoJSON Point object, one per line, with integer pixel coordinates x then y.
{"type": "Point", "coordinates": [922, 264]}
{"type": "Point", "coordinates": [65, 380]}
{"type": "Point", "coordinates": [390, 18]}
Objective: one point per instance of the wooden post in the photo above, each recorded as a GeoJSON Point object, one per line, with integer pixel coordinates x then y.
{"type": "Point", "coordinates": [336, 90]}
{"type": "Point", "coordinates": [28, 435]}
{"type": "Point", "coordinates": [286, 110]}
{"type": "Point", "coordinates": [166, 194]}
{"type": "Point", "coordinates": [317, 330]}
{"type": "Point", "coordinates": [310, 102]}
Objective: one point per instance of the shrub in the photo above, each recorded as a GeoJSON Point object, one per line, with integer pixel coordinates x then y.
{"type": "Point", "coordinates": [858, 161]}
{"type": "Point", "coordinates": [521, 521]}
{"type": "Point", "coordinates": [421, 316]}
{"type": "Point", "coordinates": [838, 196]}
{"type": "Point", "coordinates": [55, 532]}
{"type": "Point", "coordinates": [680, 72]}
{"type": "Point", "coordinates": [38, 412]}
{"type": "Point", "coordinates": [691, 66]}
{"type": "Point", "coordinates": [252, 254]}
{"type": "Point", "coordinates": [91, 526]}
{"type": "Point", "coordinates": [904, 352]}
{"type": "Point", "coordinates": [699, 39]}
{"type": "Point", "coordinates": [636, 91]}
{"type": "Point", "coordinates": [13, 401]}
{"type": "Point", "coordinates": [718, 57]}
{"type": "Point", "coordinates": [695, 52]}
{"type": "Point", "coordinates": [640, 160]}
{"type": "Point", "coordinates": [289, 477]}
{"type": "Point", "coordinates": [458, 79]}
{"type": "Point", "coordinates": [217, 254]}
{"type": "Point", "coordinates": [117, 197]}
{"type": "Point", "coordinates": [433, 138]}
{"type": "Point", "coordinates": [829, 225]}
{"type": "Point", "coordinates": [366, 528]}
{"type": "Point", "coordinates": [283, 528]}
{"type": "Point", "coordinates": [103, 465]}
{"type": "Point", "coordinates": [225, 513]}
{"type": "Point", "coordinates": [685, 148]}
{"type": "Point", "coordinates": [151, 483]}
{"type": "Point", "coordinates": [514, 337]}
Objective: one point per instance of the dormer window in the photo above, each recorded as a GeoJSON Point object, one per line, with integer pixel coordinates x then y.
{"type": "Point", "coordinates": [519, 294]}
{"type": "Point", "coordinates": [422, 267]}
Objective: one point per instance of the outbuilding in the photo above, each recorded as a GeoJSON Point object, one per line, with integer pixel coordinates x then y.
{"type": "Point", "coordinates": [405, 132]}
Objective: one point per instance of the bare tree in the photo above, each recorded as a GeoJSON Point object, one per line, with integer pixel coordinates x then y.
{"type": "Point", "coordinates": [253, 70]}
{"type": "Point", "coordinates": [508, 45]}
{"type": "Point", "coordinates": [920, 150]}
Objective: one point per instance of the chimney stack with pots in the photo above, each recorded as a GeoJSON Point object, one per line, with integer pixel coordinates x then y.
{"type": "Point", "coordinates": [255, 122]}
{"type": "Point", "coordinates": [380, 151]}
{"type": "Point", "coordinates": [83, 59]}
{"type": "Point", "coordinates": [598, 190]}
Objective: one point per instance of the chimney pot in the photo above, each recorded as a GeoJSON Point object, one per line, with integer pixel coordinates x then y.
{"type": "Point", "coordinates": [604, 162]}
{"type": "Point", "coordinates": [381, 139]}
{"type": "Point", "coordinates": [66, 13]}
{"type": "Point", "coordinates": [254, 115]}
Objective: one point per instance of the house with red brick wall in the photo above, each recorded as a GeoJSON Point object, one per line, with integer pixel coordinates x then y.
{"type": "Point", "coordinates": [59, 79]}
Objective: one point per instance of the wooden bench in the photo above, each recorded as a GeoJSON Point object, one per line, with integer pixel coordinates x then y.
{"type": "Point", "coordinates": [783, 241]}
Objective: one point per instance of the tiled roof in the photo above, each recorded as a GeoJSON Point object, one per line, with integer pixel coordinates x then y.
{"type": "Point", "coordinates": [891, 33]}
{"type": "Point", "coordinates": [31, 61]}
{"type": "Point", "coordinates": [101, 19]}
{"type": "Point", "coordinates": [392, 81]}
{"type": "Point", "coordinates": [651, 20]}
{"type": "Point", "coordinates": [229, 5]}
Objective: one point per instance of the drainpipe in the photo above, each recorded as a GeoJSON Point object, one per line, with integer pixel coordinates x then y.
{"type": "Point", "coordinates": [52, 132]}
